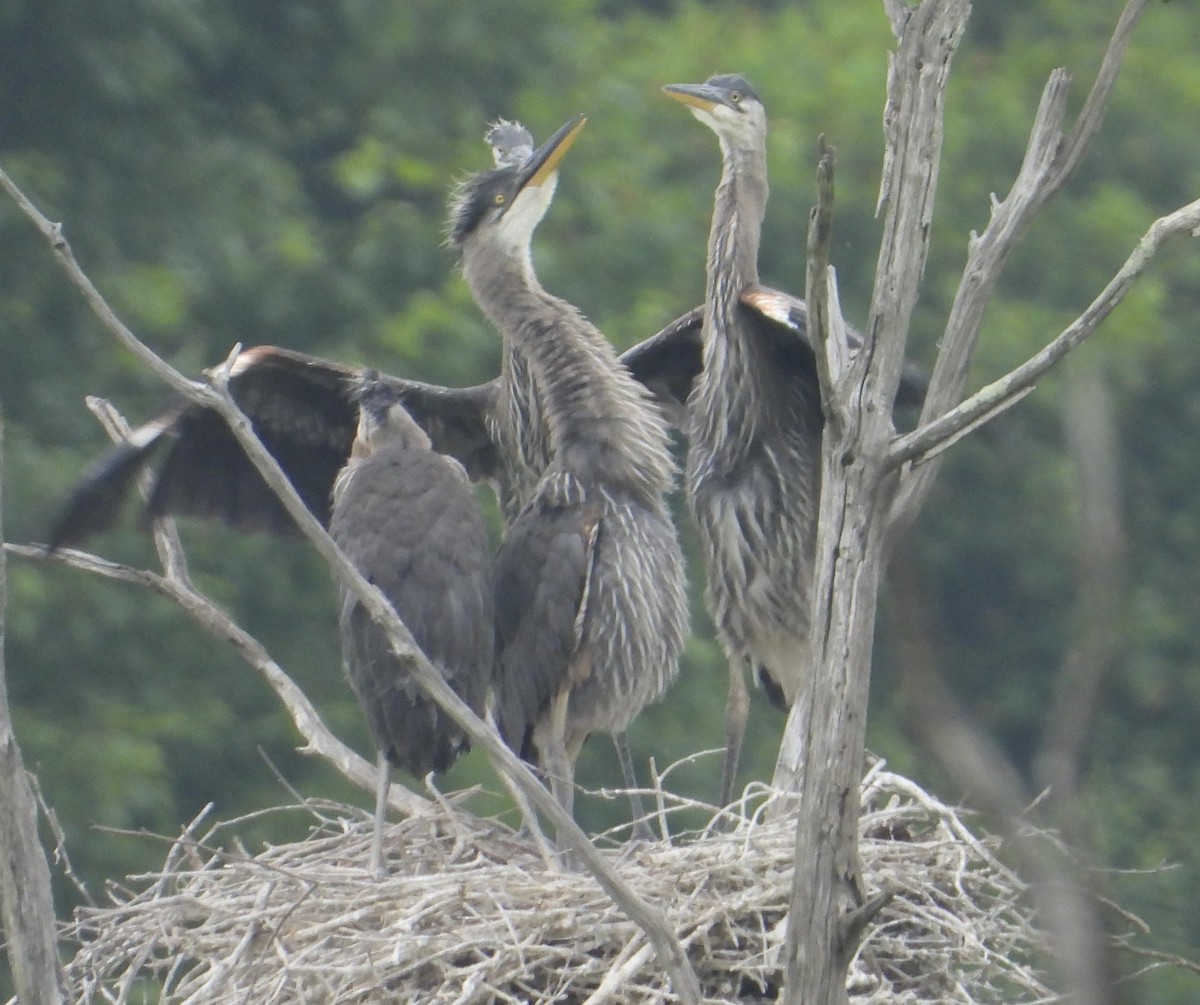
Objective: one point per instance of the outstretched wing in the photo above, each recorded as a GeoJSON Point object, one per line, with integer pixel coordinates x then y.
{"type": "Point", "coordinates": [787, 313]}
{"type": "Point", "coordinates": [302, 408]}
{"type": "Point", "coordinates": [668, 363]}
{"type": "Point", "coordinates": [541, 578]}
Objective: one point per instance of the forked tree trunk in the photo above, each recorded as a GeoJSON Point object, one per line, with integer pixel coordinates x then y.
{"type": "Point", "coordinates": [821, 759]}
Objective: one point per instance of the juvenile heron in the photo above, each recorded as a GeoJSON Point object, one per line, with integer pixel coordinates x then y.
{"type": "Point", "coordinates": [591, 610]}
{"type": "Point", "coordinates": [754, 431]}
{"type": "Point", "coordinates": [511, 143]}
{"type": "Point", "coordinates": [520, 422]}
{"type": "Point", "coordinates": [407, 519]}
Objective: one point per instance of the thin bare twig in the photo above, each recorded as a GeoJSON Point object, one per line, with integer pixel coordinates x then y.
{"type": "Point", "coordinates": [166, 534]}
{"type": "Point", "coordinates": [319, 740]}
{"type": "Point", "coordinates": [831, 350]}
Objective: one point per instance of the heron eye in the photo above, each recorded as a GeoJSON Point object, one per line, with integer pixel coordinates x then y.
{"type": "Point", "coordinates": [499, 199]}
{"type": "Point", "coordinates": [735, 97]}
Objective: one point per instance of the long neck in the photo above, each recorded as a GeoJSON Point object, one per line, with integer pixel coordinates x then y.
{"type": "Point", "coordinates": [738, 212]}
{"type": "Point", "coordinates": [731, 359]}
{"type": "Point", "coordinates": [602, 426]}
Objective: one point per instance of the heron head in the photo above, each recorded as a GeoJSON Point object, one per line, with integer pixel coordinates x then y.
{"type": "Point", "coordinates": [383, 419]}
{"type": "Point", "coordinates": [511, 143]}
{"type": "Point", "coordinates": [508, 202]}
{"type": "Point", "coordinates": [727, 104]}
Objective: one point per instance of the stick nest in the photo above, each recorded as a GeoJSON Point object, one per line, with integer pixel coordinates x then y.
{"type": "Point", "coordinates": [471, 914]}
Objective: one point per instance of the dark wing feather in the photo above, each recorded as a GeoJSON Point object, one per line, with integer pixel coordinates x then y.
{"type": "Point", "coordinates": [456, 421]}
{"type": "Point", "coordinates": [667, 363]}
{"type": "Point", "coordinates": [540, 581]}
{"type": "Point", "coordinates": [96, 500]}
{"type": "Point", "coordinates": [790, 314]}
{"type": "Point", "coordinates": [302, 407]}
{"type": "Point", "coordinates": [410, 524]}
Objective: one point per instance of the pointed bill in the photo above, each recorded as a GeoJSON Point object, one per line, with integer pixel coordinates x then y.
{"type": "Point", "coordinates": [702, 96]}
{"type": "Point", "coordinates": [544, 160]}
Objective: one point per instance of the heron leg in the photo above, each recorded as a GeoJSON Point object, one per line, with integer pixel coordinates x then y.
{"type": "Point", "coordinates": [382, 784]}
{"type": "Point", "coordinates": [737, 707]}
{"type": "Point", "coordinates": [641, 829]}
{"type": "Point", "coordinates": [529, 820]}
{"type": "Point", "coordinates": [558, 763]}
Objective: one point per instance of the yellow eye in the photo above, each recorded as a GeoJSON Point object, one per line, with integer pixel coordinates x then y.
{"type": "Point", "coordinates": [735, 97]}
{"type": "Point", "coordinates": [499, 199]}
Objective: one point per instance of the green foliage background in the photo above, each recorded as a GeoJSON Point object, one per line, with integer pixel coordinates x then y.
{"type": "Point", "coordinates": [262, 172]}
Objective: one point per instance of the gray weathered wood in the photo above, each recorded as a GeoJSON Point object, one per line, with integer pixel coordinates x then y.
{"type": "Point", "coordinates": [822, 754]}
{"type": "Point", "coordinates": [1050, 157]}
{"type": "Point", "coordinates": [866, 493]}
{"type": "Point", "coordinates": [26, 905]}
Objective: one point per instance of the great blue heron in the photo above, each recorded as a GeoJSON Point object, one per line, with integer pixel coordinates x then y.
{"type": "Point", "coordinates": [591, 607]}
{"type": "Point", "coordinates": [407, 518]}
{"type": "Point", "coordinates": [754, 430]}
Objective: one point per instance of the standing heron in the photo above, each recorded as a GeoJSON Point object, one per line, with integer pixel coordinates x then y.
{"type": "Point", "coordinates": [522, 425]}
{"type": "Point", "coordinates": [591, 611]}
{"type": "Point", "coordinates": [754, 431]}
{"type": "Point", "coordinates": [407, 519]}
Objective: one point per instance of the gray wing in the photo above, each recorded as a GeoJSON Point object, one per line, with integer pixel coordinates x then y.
{"type": "Point", "coordinates": [410, 524]}
{"type": "Point", "coordinates": [668, 362]}
{"type": "Point", "coordinates": [303, 409]}
{"type": "Point", "coordinates": [788, 314]}
{"type": "Point", "coordinates": [540, 580]}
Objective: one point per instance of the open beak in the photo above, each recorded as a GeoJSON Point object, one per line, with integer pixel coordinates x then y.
{"type": "Point", "coordinates": [544, 160]}
{"type": "Point", "coordinates": [702, 96]}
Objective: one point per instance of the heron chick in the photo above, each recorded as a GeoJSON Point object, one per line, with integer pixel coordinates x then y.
{"type": "Point", "coordinates": [407, 518]}
{"type": "Point", "coordinates": [591, 611]}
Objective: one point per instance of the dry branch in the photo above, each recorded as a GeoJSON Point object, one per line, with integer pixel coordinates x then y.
{"type": "Point", "coordinates": [989, 400]}
{"type": "Point", "coordinates": [822, 752]}
{"type": "Point", "coordinates": [1049, 161]}
{"type": "Point", "coordinates": [826, 327]}
{"type": "Point", "coordinates": [319, 740]}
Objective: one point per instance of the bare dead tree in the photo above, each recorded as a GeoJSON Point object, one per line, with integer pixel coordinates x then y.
{"type": "Point", "coordinates": [26, 904]}
{"type": "Point", "coordinates": [874, 483]}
